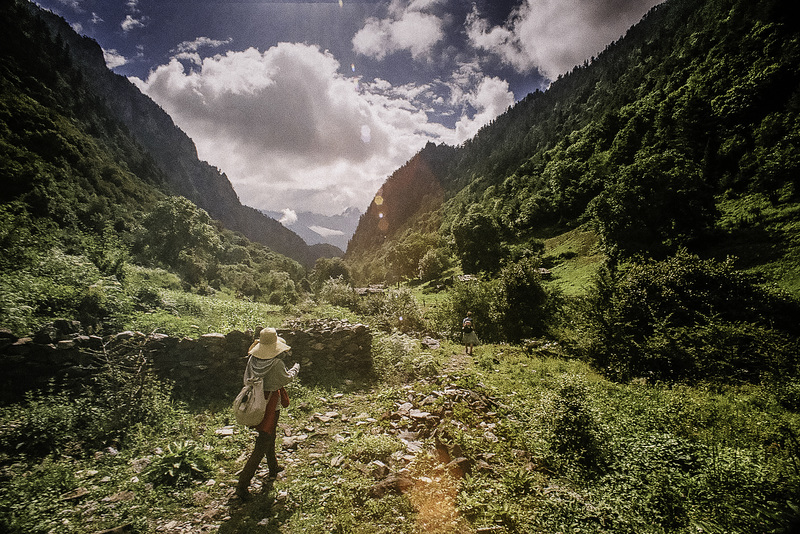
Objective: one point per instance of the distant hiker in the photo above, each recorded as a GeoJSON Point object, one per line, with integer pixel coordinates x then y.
{"type": "Point", "coordinates": [263, 363]}
{"type": "Point", "coordinates": [468, 334]}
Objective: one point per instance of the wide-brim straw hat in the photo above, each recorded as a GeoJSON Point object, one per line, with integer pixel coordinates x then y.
{"type": "Point", "coordinates": [268, 345]}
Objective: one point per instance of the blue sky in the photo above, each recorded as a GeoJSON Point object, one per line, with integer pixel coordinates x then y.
{"type": "Point", "coordinates": [310, 106]}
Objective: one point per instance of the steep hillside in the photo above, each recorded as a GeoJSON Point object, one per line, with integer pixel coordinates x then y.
{"type": "Point", "coordinates": [665, 140]}
{"type": "Point", "coordinates": [38, 46]}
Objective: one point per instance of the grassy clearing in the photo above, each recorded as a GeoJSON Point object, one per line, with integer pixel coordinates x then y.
{"type": "Point", "coordinates": [573, 258]}
{"type": "Point", "coordinates": [558, 449]}
{"type": "Point", "coordinates": [764, 236]}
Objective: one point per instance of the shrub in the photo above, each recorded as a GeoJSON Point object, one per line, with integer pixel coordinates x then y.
{"type": "Point", "coordinates": [576, 435]}
{"type": "Point", "coordinates": [398, 358]}
{"type": "Point", "coordinates": [509, 308]}
{"type": "Point", "coordinates": [473, 295]}
{"type": "Point", "coordinates": [181, 464]}
{"type": "Point", "coordinates": [394, 309]}
{"type": "Point", "coordinates": [686, 318]}
{"type": "Point", "coordinates": [337, 292]}
{"type": "Point", "coordinates": [524, 307]}
{"type": "Point", "coordinates": [433, 264]}
{"type": "Point", "coordinates": [121, 396]}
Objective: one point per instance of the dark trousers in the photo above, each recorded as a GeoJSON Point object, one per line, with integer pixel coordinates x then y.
{"type": "Point", "coordinates": [265, 446]}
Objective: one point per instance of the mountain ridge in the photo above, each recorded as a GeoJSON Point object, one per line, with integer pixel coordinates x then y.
{"type": "Point", "coordinates": [697, 101]}
{"type": "Point", "coordinates": [171, 149]}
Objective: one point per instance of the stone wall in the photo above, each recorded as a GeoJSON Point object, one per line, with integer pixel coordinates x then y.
{"type": "Point", "coordinates": [212, 364]}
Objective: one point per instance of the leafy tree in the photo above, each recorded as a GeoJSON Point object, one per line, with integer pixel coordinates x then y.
{"type": "Point", "coordinates": [687, 318]}
{"type": "Point", "coordinates": [186, 238]}
{"type": "Point", "coordinates": [330, 268]}
{"type": "Point", "coordinates": [477, 239]}
{"type": "Point", "coordinates": [524, 307]}
{"type": "Point", "coordinates": [657, 204]}
{"type": "Point", "coordinates": [433, 264]}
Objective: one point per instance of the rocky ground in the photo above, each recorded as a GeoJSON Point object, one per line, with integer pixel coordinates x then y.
{"type": "Point", "coordinates": [416, 421]}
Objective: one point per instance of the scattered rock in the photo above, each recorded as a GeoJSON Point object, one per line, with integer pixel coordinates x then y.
{"type": "Point", "coordinates": [75, 494]}
{"type": "Point", "coordinates": [122, 529]}
{"type": "Point", "coordinates": [391, 484]}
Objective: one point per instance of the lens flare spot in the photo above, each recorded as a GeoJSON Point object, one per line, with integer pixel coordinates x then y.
{"type": "Point", "coordinates": [383, 225]}
{"type": "Point", "coordinates": [366, 134]}
{"type": "Point", "coordinates": [378, 201]}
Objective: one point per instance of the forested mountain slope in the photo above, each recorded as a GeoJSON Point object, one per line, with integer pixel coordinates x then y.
{"type": "Point", "coordinates": [46, 65]}
{"type": "Point", "coordinates": [684, 133]}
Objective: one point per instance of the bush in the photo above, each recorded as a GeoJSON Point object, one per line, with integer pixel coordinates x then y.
{"type": "Point", "coordinates": [510, 308]}
{"type": "Point", "coordinates": [576, 433]}
{"type": "Point", "coordinates": [122, 396]}
{"type": "Point", "coordinates": [686, 318]}
{"type": "Point", "coordinates": [394, 309]}
{"type": "Point", "coordinates": [181, 464]}
{"type": "Point", "coordinates": [524, 307]}
{"type": "Point", "coordinates": [398, 358]}
{"type": "Point", "coordinates": [433, 264]}
{"type": "Point", "coordinates": [473, 295]}
{"type": "Point", "coordinates": [337, 292]}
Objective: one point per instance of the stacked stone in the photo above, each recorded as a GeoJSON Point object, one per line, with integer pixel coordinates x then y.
{"type": "Point", "coordinates": [58, 353]}
{"type": "Point", "coordinates": [211, 365]}
{"type": "Point", "coordinates": [329, 347]}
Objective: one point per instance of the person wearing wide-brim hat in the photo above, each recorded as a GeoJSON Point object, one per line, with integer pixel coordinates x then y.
{"type": "Point", "coordinates": [263, 363]}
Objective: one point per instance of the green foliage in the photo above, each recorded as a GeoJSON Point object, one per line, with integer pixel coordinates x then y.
{"type": "Point", "coordinates": [60, 285]}
{"type": "Point", "coordinates": [512, 307]}
{"type": "Point", "coordinates": [523, 306]}
{"type": "Point", "coordinates": [338, 292]}
{"type": "Point", "coordinates": [181, 464]}
{"type": "Point", "coordinates": [477, 238]}
{"type": "Point", "coordinates": [394, 309]}
{"type": "Point", "coordinates": [477, 296]}
{"type": "Point", "coordinates": [398, 358]}
{"type": "Point", "coordinates": [330, 268]}
{"type": "Point", "coordinates": [187, 314]}
{"type": "Point", "coordinates": [686, 318]}
{"type": "Point", "coordinates": [187, 240]}
{"type": "Point", "coordinates": [434, 264]}
{"type": "Point", "coordinates": [367, 448]}
{"type": "Point", "coordinates": [576, 433]}
{"type": "Point", "coordinates": [659, 202]}
{"type": "Point", "coordinates": [121, 396]}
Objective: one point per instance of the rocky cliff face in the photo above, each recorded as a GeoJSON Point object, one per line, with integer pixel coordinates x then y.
{"type": "Point", "coordinates": [171, 149]}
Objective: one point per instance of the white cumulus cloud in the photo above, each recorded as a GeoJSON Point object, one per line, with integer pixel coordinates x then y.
{"type": "Point", "coordinates": [408, 28]}
{"type": "Point", "coordinates": [289, 217]}
{"type": "Point", "coordinates": [114, 58]}
{"type": "Point", "coordinates": [555, 35]}
{"type": "Point", "coordinates": [289, 130]}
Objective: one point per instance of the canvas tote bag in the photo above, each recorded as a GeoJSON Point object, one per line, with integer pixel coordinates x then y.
{"type": "Point", "coordinates": [250, 404]}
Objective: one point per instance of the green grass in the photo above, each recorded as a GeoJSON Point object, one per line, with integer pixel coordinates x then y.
{"type": "Point", "coordinates": [573, 259]}
{"type": "Point", "coordinates": [563, 450]}
{"type": "Point", "coordinates": [187, 314]}
{"type": "Point", "coordinates": [764, 236]}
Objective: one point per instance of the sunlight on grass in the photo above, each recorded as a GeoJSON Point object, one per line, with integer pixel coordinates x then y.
{"type": "Point", "coordinates": [573, 258]}
{"type": "Point", "coordinates": [191, 315]}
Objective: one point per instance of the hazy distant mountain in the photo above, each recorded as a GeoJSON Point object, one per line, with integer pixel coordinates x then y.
{"type": "Point", "coordinates": [315, 229]}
